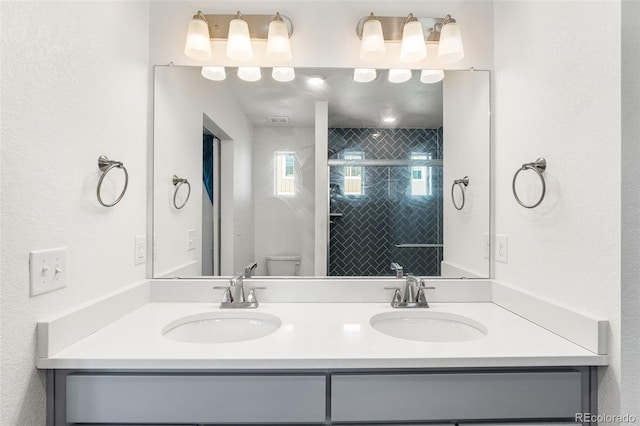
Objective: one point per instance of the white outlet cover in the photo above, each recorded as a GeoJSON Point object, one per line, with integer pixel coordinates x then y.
{"type": "Point", "coordinates": [140, 252]}
{"type": "Point", "coordinates": [47, 270]}
{"type": "Point", "coordinates": [502, 248]}
{"type": "Point", "coordinates": [191, 239]}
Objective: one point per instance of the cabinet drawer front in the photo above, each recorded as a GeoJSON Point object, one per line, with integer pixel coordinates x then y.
{"type": "Point", "coordinates": [416, 397]}
{"type": "Point", "coordinates": [195, 399]}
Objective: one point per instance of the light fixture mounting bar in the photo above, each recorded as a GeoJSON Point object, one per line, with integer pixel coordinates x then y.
{"type": "Point", "coordinates": [258, 25]}
{"type": "Point", "coordinates": [392, 27]}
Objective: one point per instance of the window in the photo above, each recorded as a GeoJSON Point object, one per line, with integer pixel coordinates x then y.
{"type": "Point", "coordinates": [284, 173]}
{"type": "Point", "coordinates": [353, 184]}
{"type": "Point", "coordinates": [421, 176]}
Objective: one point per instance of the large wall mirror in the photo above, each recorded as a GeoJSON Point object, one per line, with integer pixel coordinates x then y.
{"type": "Point", "coordinates": [321, 175]}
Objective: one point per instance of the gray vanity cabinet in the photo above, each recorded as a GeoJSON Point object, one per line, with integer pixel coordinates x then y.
{"type": "Point", "coordinates": [323, 397]}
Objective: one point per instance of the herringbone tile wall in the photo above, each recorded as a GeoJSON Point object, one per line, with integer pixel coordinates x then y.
{"type": "Point", "coordinates": [362, 241]}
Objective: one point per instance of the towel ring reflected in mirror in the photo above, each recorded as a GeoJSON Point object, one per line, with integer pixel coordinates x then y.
{"type": "Point", "coordinates": [462, 184]}
{"type": "Point", "coordinates": [538, 166]}
{"type": "Point", "coordinates": [105, 165]}
{"type": "Point", "coordinates": [178, 182]}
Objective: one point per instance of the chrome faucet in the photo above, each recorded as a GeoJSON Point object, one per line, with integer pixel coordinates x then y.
{"type": "Point", "coordinates": [248, 270]}
{"type": "Point", "coordinates": [414, 294]}
{"type": "Point", "coordinates": [398, 268]}
{"type": "Point", "coordinates": [234, 298]}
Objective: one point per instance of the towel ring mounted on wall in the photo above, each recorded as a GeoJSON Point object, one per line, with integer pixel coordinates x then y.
{"type": "Point", "coordinates": [105, 165]}
{"type": "Point", "coordinates": [178, 182]}
{"type": "Point", "coordinates": [462, 183]}
{"type": "Point", "coordinates": [538, 166]}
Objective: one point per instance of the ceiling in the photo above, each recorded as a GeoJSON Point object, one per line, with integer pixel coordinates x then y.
{"type": "Point", "coordinates": [351, 104]}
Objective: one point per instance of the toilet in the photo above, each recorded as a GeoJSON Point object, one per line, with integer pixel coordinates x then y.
{"type": "Point", "coordinates": [283, 266]}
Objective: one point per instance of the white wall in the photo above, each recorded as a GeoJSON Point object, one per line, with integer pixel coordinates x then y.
{"type": "Point", "coordinates": [182, 96]}
{"type": "Point", "coordinates": [466, 147]}
{"type": "Point", "coordinates": [284, 225]}
{"type": "Point", "coordinates": [557, 95]}
{"type": "Point", "coordinates": [334, 20]}
{"type": "Point", "coordinates": [75, 85]}
{"type": "Point", "coordinates": [630, 400]}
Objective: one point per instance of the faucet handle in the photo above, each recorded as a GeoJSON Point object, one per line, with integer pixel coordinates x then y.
{"type": "Point", "coordinates": [251, 297]}
{"type": "Point", "coordinates": [422, 298]}
{"type": "Point", "coordinates": [227, 297]}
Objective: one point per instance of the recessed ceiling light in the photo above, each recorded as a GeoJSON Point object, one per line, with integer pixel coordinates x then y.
{"type": "Point", "coordinates": [316, 80]}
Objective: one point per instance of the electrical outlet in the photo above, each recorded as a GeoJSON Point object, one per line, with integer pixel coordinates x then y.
{"type": "Point", "coordinates": [47, 270]}
{"type": "Point", "coordinates": [486, 245]}
{"type": "Point", "coordinates": [191, 239]}
{"type": "Point", "coordinates": [502, 248]}
{"type": "Point", "coordinates": [140, 254]}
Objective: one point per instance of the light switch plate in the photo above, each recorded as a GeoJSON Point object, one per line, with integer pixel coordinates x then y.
{"type": "Point", "coordinates": [140, 254]}
{"type": "Point", "coordinates": [502, 245]}
{"type": "Point", "coordinates": [47, 270]}
{"type": "Point", "coordinates": [191, 239]}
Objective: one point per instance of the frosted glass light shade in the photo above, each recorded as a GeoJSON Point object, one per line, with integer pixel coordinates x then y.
{"type": "Point", "coordinates": [283, 74]}
{"type": "Point", "coordinates": [364, 75]}
{"type": "Point", "coordinates": [214, 73]}
{"type": "Point", "coordinates": [238, 41]}
{"type": "Point", "coordinates": [413, 47]}
{"type": "Point", "coordinates": [399, 75]}
{"type": "Point", "coordinates": [450, 49]}
{"type": "Point", "coordinates": [431, 76]}
{"type": "Point", "coordinates": [278, 46]}
{"type": "Point", "coordinates": [249, 73]}
{"type": "Point", "coordinates": [198, 44]}
{"type": "Point", "coordinates": [372, 47]}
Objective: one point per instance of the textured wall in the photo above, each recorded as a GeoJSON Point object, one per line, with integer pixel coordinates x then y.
{"type": "Point", "coordinates": [75, 85]}
{"type": "Point", "coordinates": [557, 95]}
{"type": "Point", "coordinates": [362, 241]}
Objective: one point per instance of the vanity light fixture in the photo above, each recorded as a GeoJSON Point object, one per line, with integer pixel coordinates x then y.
{"type": "Point", "coordinates": [239, 30]}
{"type": "Point", "coordinates": [389, 120]}
{"type": "Point", "coordinates": [450, 48]}
{"type": "Point", "coordinates": [431, 76]}
{"type": "Point", "coordinates": [399, 75]}
{"type": "Point", "coordinates": [238, 40]}
{"type": "Point", "coordinates": [372, 47]}
{"type": "Point", "coordinates": [413, 48]}
{"type": "Point", "coordinates": [283, 74]}
{"type": "Point", "coordinates": [249, 73]}
{"type": "Point", "coordinates": [278, 46]}
{"type": "Point", "coordinates": [316, 80]}
{"type": "Point", "coordinates": [198, 44]}
{"type": "Point", "coordinates": [214, 73]}
{"type": "Point", "coordinates": [414, 32]}
{"type": "Point", "coordinates": [364, 75]}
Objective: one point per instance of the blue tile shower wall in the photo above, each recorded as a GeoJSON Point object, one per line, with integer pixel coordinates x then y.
{"type": "Point", "coordinates": [362, 240]}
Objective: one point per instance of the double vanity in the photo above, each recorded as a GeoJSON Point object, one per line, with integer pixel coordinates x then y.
{"type": "Point", "coordinates": [319, 351]}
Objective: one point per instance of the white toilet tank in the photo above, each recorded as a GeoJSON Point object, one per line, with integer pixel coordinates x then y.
{"type": "Point", "coordinates": [283, 265]}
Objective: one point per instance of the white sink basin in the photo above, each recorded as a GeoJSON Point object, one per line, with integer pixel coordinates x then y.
{"type": "Point", "coordinates": [428, 326]}
{"type": "Point", "coordinates": [221, 327]}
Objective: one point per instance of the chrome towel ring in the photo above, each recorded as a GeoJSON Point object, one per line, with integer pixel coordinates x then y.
{"type": "Point", "coordinates": [538, 166]}
{"type": "Point", "coordinates": [462, 183]}
{"type": "Point", "coordinates": [105, 165]}
{"type": "Point", "coordinates": [178, 182]}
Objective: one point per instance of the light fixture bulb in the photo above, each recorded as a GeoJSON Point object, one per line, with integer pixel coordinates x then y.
{"type": "Point", "coordinates": [364, 75]}
{"type": "Point", "coordinates": [249, 73]}
{"type": "Point", "coordinates": [283, 74]}
{"type": "Point", "coordinates": [238, 41]}
{"type": "Point", "coordinates": [198, 43]}
{"type": "Point", "coordinates": [214, 73]}
{"type": "Point", "coordinates": [450, 48]}
{"type": "Point", "coordinates": [372, 47]}
{"type": "Point", "coordinates": [399, 75]}
{"type": "Point", "coordinates": [413, 47]}
{"type": "Point", "coordinates": [389, 120]}
{"type": "Point", "coordinates": [431, 76]}
{"type": "Point", "coordinates": [278, 46]}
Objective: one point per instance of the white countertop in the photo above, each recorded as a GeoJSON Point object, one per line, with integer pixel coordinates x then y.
{"type": "Point", "coordinates": [313, 335]}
